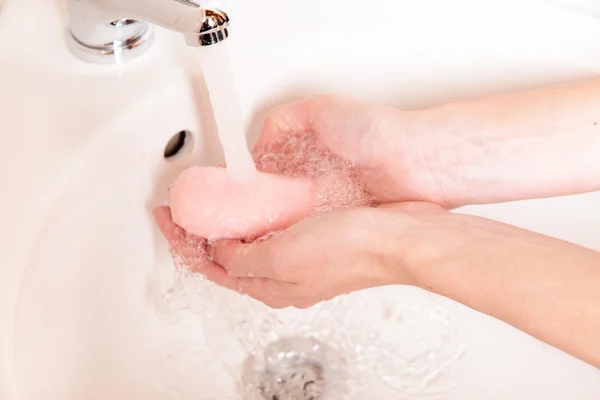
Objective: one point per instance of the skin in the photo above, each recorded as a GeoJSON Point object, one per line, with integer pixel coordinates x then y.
{"type": "Point", "coordinates": [517, 146]}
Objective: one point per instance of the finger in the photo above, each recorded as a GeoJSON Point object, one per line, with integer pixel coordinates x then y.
{"type": "Point", "coordinates": [305, 305]}
{"type": "Point", "coordinates": [414, 207]}
{"type": "Point", "coordinates": [182, 243]}
{"type": "Point", "coordinates": [267, 291]}
{"type": "Point", "coordinates": [192, 251]}
{"type": "Point", "coordinates": [290, 118]}
{"type": "Point", "coordinates": [164, 220]}
{"type": "Point", "coordinates": [218, 275]}
{"type": "Point", "coordinates": [245, 260]}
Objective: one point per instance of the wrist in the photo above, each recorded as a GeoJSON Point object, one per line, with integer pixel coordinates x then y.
{"type": "Point", "coordinates": [422, 154]}
{"type": "Point", "coordinates": [445, 155]}
{"type": "Point", "coordinates": [414, 239]}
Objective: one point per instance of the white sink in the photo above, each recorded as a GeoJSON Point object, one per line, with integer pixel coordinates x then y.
{"type": "Point", "coordinates": [84, 272]}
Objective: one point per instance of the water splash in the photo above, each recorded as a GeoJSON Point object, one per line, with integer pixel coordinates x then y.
{"type": "Point", "coordinates": [302, 155]}
{"type": "Point", "coordinates": [379, 344]}
{"type": "Point", "coordinates": [413, 345]}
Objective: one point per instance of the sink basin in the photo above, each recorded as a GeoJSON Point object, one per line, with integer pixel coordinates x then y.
{"type": "Point", "coordinates": [91, 306]}
{"type": "Point", "coordinates": [99, 306]}
{"type": "Point", "coordinates": [87, 247]}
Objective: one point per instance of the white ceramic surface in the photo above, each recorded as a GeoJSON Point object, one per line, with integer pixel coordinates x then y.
{"type": "Point", "coordinates": [81, 165]}
{"type": "Point", "coordinates": [589, 7]}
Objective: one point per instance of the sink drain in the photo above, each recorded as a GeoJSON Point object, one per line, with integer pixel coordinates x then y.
{"type": "Point", "coordinates": [295, 368]}
{"type": "Point", "coordinates": [293, 377]}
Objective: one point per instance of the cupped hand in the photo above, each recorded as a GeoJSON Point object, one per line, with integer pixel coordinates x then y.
{"type": "Point", "coordinates": [327, 255]}
{"type": "Point", "coordinates": [389, 147]}
{"type": "Point", "coordinates": [339, 251]}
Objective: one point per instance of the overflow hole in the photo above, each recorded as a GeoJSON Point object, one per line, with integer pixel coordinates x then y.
{"type": "Point", "coordinates": [177, 143]}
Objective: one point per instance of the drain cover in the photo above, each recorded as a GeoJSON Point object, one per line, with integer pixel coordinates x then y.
{"type": "Point", "coordinates": [295, 368]}
{"type": "Point", "coordinates": [293, 377]}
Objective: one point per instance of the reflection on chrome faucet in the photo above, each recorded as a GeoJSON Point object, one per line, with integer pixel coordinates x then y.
{"type": "Point", "coordinates": [115, 31]}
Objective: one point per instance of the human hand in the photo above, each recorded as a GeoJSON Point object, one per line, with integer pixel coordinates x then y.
{"type": "Point", "coordinates": [535, 283]}
{"type": "Point", "coordinates": [190, 251]}
{"type": "Point", "coordinates": [388, 146]}
{"type": "Point", "coordinates": [315, 260]}
{"type": "Point", "coordinates": [327, 255]}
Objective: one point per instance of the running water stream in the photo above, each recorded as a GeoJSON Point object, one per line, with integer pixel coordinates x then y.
{"type": "Point", "coordinates": [220, 82]}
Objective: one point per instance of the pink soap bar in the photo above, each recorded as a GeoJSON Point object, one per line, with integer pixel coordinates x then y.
{"type": "Point", "coordinates": [207, 202]}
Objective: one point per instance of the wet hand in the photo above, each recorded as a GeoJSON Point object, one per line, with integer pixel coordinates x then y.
{"type": "Point", "coordinates": [324, 256]}
{"type": "Point", "coordinates": [191, 251]}
{"type": "Point", "coordinates": [391, 158]}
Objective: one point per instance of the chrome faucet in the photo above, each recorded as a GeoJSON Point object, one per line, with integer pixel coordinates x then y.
{"type": "Point", "coordinates": [115, 31]}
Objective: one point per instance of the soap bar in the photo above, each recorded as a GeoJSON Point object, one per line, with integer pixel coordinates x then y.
{"type": "Point", "coordinates": [208, 202]}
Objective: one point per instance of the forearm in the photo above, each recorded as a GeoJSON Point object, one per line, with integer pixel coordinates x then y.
{"type": "Point", "coordinates": [545, 287]}
{"type": "Point", "coordinates": [533, 144]}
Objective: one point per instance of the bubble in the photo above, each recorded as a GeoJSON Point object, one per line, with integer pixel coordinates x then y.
{"type": "Point", "coordinates": [294, 155]}
{"type": "Point", "coordinates": [301, 155]}
{"type": "Point", "coordinates": [413, 345]}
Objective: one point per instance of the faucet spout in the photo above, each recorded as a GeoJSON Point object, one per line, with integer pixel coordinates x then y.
{"type": "Point", "coordinates": [114, 31]}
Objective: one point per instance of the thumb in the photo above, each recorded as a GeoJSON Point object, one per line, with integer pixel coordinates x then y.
{"type": "Point", "coordinates": [283, 120]}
